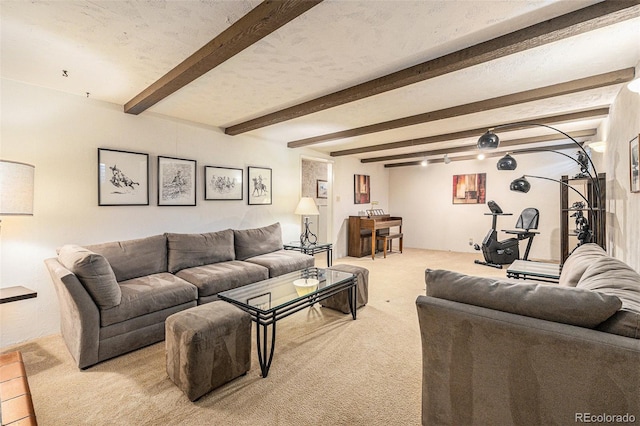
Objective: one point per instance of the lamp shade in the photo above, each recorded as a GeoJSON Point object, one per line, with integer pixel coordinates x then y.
{"type": "Point", "coordinates": [520, 185]}
{"type": "Point", "coordinates": [507, 163]}
{"type": "Point", "coordinates": [488, 141]}
{"type": "Point", "coordinates": [16, 188]}
{"type": "Point", "coordinates": [307, 207]}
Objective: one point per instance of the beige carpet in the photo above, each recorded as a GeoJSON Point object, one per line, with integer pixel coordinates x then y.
{"type": "Point", "coordinates": [327, 368]}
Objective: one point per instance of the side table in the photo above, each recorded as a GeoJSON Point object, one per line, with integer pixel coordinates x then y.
{"type": "Point", "coordinates": [13, 294]}
{"type": "Point", "coordinates": [311, 249]}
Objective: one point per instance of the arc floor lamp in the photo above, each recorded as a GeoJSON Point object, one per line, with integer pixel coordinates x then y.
{"type": "Point", "coordinates": [490, 140]}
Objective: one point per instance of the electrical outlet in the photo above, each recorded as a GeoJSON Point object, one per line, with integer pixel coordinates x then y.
{"type": "Point", "coordinates": [470, 241]}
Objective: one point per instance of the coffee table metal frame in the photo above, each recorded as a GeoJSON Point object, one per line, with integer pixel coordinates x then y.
{"type": "Point", "coordinates": [266, 315]}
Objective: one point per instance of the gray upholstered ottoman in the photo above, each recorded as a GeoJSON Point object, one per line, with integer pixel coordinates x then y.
{"type": "Point", "coordinates": [340, 301]}
{"type": "Point", "coordinates": [207, 346]}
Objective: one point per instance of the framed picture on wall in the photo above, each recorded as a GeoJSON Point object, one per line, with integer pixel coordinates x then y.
{"type": "Point", "coordinates": [322, 188]}
{"type": "Point", "coordinates": [176, 182]}
{"type": "Point", "coordinates": [470, 189]}
{"type": "Point", "coordinates": [123, 178]}
{"type": "Point", "coordinates": [634, 172]}
{"type": "Point", "coordinates": [222, 183]}
{"type": "Point", "coordinates": [361, 189]}
{"type": "Point", "coordinates": [259, 185]}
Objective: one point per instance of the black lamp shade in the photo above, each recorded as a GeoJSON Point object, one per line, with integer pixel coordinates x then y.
{"type": "Point", "coordinates": [507, 163]}
{"type": "Point", "coordinates": [488, 141]}
{"type": "Point", "coordinates": [520, 185]}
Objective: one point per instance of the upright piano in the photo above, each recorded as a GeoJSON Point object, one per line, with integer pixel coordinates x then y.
{"type": "Point", "coordinates": [361, 228]}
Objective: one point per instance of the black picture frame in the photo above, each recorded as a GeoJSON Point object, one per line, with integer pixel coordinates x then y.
{"type": "Point", "coordinates": [223, 183]}
{"type": "Point", "coordinates": [634, 171]}
{"type": "Point", "coordinates": [259, 186]}
{"type": "Point", "coordinates": [322, 188]}
{"type": "Point", "coordinates": [123, 178]}
{"type": "Point", "coordinates": [361, 189]}
{"type": "Point", "coordinates": [176, 181]}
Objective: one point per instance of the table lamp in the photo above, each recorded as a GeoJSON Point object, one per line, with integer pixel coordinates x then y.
{"type": "Point", "coordinates": [307, 207]}
{"type": "Point", "coordinates": [16, 188]}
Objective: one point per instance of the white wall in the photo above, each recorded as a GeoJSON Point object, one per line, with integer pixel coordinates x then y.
{"type": "Point", "coordinates": [344, 206]}
{"type": "Point", "coordinates": [623, 206]}
{"type": "Point", "coordinates": [423, 197]}
{"type": "Point", "coordinates": [60, 134]}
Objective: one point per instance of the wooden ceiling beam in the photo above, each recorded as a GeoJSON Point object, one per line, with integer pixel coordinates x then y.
{"type": "Point", "coordinates": [580, 21]}
{"type": "Point", "coordinates": [593, 82]}
{"type": "Point", "coordinates": [466, 148]}
{"type": "Point", "coordinates": [474, 156]}
{"type": "Point", "coordinates": [582, 115]}
{"type": "Point", "coordinates": [261, 21]}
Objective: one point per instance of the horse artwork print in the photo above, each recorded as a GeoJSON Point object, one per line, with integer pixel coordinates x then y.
{"type": "Point", "coordinates": [176, 182]}
{"type": "Point", "coordinates": [123, 178]}
{"type": "Point", "coordinates": [222, 183]}
{"type": "Point", "coordinates": [259, 185]}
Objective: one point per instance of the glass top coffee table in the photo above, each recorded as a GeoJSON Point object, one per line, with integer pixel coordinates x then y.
{"type": "Point", "coordinates": [271, 300]}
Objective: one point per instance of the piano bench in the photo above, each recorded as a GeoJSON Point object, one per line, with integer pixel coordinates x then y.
{"type": "Point", "coordinates": [387, 241]}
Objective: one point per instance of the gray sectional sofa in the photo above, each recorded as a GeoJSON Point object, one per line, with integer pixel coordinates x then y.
{"type": "Point", "coordinates": [522, 353]}
{"type": "Point", "coordinates": [114, 297]}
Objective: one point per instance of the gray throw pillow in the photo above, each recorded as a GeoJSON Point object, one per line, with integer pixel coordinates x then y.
{"type": "Point", "coordinates": [189, 250]}
{"type": "Point", "coordinates": [578, 262]}
{"type": "Point", "coordinates": [567, 305]}
{"type": "Point", "coordinates": [135, 258]}
{"type": "Point", "coordinates": [253, 242]}
{"type": "Point", "coordinates": [613, 277]}
{"type": "Point", "coordinates": [94, 272]}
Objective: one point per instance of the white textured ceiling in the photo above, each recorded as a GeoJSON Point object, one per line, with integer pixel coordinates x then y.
{"type": "Point", "coordinates": [115, 49]}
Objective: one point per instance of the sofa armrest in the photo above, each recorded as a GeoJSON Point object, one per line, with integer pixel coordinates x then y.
{"type": "Point", "coordinates": [79, 315]}
{"type": "Point", "coordinates": [483, 366]}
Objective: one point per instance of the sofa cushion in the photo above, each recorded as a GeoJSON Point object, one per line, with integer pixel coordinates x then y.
{"type": "Point", "coordinates": [135, 258]}
{"type": "Point", "coordinates": [148, 294]}
{"type": "Point", "coordinates": [578, 262]}
{"type": "Point", "coordinates": [188, 250]}
{"type": "Point", "coordinates": [94, 272]}
{"type": "Point", "coordinates": [282, 262]}
{"type": "Point", "coordinates": [216, 277]}
{"type": "Point", "coordinates": [253, 242]}
{"type": "Point", "coordinates": [568, 305]}
{"type": "Point", "coordinates": [611, 276]}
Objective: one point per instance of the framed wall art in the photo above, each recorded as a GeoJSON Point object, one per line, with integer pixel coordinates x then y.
{"type": "Point", "coordinates": [469, 189]}
{"type": "Point", "coordinates": [123, 178]}
{"type": "Point", "coordinates": [222, 183]}
{"type": "Point", "coordinates": [322, 188]}
{"type": "Point", "coordinates": [361, 189]}
{"type": "Point", "coordinates": [634, 172]}
{"type": "Point", "coordinates": [176, 182]}
{"type": "Point", "coordinates": [259, 185]}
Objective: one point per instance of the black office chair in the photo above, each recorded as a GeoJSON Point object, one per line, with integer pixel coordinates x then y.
{"type": "Point", "coordinates": [527, 221]}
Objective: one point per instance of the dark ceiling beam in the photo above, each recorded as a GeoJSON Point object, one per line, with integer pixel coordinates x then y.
{"type": "Point", "coordinates": [582, 115]}
{"type": "Point", "coordinates": [580, 21]}
{"type": "Point", "coordinates": [466, 148]}
{"type": "Point", "coordinates": [593, 82]}
{"type": "Point", "coordinates": [261, 21]}
{"type": "Point", "coordinates": [475, 156]}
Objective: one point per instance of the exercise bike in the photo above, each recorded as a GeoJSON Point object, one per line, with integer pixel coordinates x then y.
{"type": "Point", "coordinates": [497, 253]}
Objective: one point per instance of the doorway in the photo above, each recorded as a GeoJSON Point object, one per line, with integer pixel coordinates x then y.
{"type": "Point", "coordinates": [317, 183]}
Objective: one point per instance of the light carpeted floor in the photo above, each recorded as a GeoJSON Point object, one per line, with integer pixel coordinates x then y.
{"type": "Point", "coordinates": [327, 368]}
